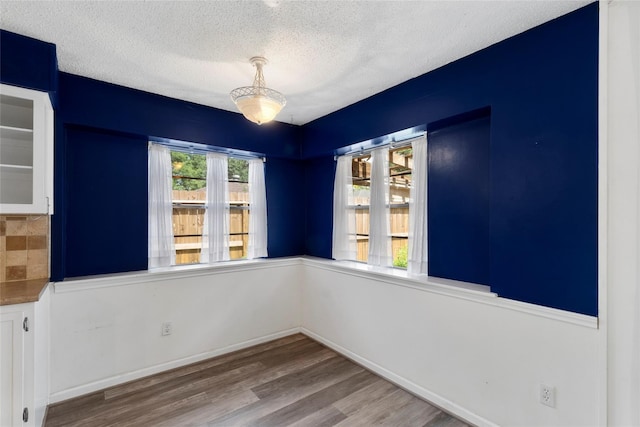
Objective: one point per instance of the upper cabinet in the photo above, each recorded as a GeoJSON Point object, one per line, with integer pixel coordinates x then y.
{"type": "Point", "coordinates": [26, 151]}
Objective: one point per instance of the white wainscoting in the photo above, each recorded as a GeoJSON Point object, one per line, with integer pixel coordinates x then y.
{"type": "Point", "coordinates": [482, 358]}
{"type": "Point", "coordinates": [107, 330]}
{"type": "Point", "coordinates": [463, 348]}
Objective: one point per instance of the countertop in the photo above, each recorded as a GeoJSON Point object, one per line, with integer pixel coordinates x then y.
{"type": "Point", "coordinates": [22, 291]}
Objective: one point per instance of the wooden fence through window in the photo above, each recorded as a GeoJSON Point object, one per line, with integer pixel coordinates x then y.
{"type": "Point", "coordinates": [188, 222]}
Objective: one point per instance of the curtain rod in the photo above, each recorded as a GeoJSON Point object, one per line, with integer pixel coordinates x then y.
{"type": "Point", "coordinates": [392, 144]}
{"type": "Point", "coordinates": [197, 148]}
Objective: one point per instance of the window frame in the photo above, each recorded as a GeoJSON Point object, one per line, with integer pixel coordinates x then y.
{"type": "Point", "coordinates": [202, 149]}
{"type": "Point", "coordinates": [393, 148]}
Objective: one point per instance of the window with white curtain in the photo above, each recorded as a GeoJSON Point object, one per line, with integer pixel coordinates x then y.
{"type": "Point", "coordinates": [373, 210]}
{"type": "Point", "coordinates": [216, 208]}
{"type": "Point", "coordinates": [161, 247]}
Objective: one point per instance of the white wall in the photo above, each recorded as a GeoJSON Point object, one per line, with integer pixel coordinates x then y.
{"type": "Point", "coordinates": [482, 358]}
{"type": "Point", "coordinates": [622, 115]}
{"type": "Point", "coordinates": [108, 330]}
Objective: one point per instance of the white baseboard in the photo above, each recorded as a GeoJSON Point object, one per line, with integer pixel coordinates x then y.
{"type": "Point", "coordinates": [419, 391]}
{"type": "Point", "coordinates": [134, 375]}
{"type": "Point", "coordinates": [404, 383]}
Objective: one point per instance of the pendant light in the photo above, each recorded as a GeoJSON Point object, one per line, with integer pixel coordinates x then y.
{"type": "Point", "coordinates": [258, 103]}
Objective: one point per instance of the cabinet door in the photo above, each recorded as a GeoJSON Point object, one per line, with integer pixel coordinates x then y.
{"type": "Point", "coordinates": [11, 369]}
{"type": "Point", "coordinates": [26, 147]}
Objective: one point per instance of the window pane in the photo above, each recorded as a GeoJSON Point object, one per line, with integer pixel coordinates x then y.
{"type": "Point", "coordinates": [187, 231]}
{"type": "Point", "coordinates": [400, 165]}
{"type": "Point", "coordinates": [189, 196]}
{"type": "Point", "coordinates": [239, 208]}
{"type": "Point", "coordinates": [185, 165]}
{"type": "Point", "coordinates": [361, 168]}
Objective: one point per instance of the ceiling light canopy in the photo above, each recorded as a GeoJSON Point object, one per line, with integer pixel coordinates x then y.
{"type": "Point", "coordinates": [258, 103]}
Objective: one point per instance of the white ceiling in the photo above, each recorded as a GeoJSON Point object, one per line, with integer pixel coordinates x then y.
{"type": "Point", "coordinates": [323, 55]}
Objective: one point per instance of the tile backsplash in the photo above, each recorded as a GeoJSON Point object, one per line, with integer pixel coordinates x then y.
{"type": "Point", "coordinates": [24, 247]}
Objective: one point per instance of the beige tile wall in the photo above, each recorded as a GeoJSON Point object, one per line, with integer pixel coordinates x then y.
{"type": "Point", "coordinates": [24, 247]}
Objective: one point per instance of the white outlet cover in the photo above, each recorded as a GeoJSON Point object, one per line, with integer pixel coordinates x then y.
{"type": "Point", "coordinates": [548, 395]}
{"type": "Point", "coordinates": [166, 328]}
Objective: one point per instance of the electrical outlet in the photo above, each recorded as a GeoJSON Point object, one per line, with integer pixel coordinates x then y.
{"type": "Point", "coordinates": [548, 395]}
{"type": "Point", "coordinates": [167, 328]}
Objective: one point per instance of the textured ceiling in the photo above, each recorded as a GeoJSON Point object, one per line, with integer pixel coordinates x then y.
{"type": "Point", "coordinates": [323, 55]}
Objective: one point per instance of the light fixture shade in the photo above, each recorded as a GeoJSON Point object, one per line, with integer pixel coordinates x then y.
{"type": "Point", "coordinates": [258, 103]}
{"type": "Point", "coordinates": [259, 108]}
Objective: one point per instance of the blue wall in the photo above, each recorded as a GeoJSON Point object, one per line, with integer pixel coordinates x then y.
{"type": "Point", "coordinates": [540, 86]}
{"type": "Point", "coordinates": [458, 201]}
{"type": "Point", "coordinates": [319, 175]}
{"type": "Point", "coordinates": [285, 207]}
{"type": "Point", "coordinates": [107, 106]}
{"type": "Point", "coordinates": [27, 62]}
{"type": "Point", "coordinates": [103, 122]}
{"type": "Point", "coordinates": [106, 203]}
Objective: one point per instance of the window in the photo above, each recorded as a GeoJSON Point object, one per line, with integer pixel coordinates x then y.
{"type": "Point", "coordinates": [380, 204]}
{"type": "Point", "coordinates": [424, 207]}
{"type": "Point", "coordinates": [400, 164]}
{"type": "Point", "coordinates": [189, 197]}
{"type": "Point", "coordinates": [210, 207]}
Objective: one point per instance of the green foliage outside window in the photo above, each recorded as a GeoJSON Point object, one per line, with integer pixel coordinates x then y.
{"type": "Point", "coordinates": [238, 170]}
{"type": "Point", "coordinates": [185, 166]}
{"type": "Point", "coordinates": [190, 170]}
{"type": "Point", "coordinates": [401, 257]}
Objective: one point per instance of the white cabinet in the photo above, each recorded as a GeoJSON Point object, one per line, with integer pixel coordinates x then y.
{"type": "Point", "coordinates": [26, 151]}
{"type": "Point", "coordinates": [16, 366]}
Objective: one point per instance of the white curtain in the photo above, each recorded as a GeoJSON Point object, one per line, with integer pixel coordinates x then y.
{"type": "Point", "coordinates": [344, 216]}
{"type": "Point", "coordinates": [258, 210]}
{"type": "Point", "coordinates": [162, 251]}
{"type": "Point", "coordinates": [417, 253]}
{"type": "Point", "coordinates": [215, 233]}
{"type": "Point", "coordinates": [379, 227]}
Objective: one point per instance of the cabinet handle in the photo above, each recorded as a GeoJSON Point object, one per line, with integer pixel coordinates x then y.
{"type": "Point", "coordinates": [25, 324]}
{"type": "Point", "coordinates": [25, 415]}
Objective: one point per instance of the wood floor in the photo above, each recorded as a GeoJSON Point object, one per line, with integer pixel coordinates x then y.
{"type": "Point", "coordinates": [293, 381]}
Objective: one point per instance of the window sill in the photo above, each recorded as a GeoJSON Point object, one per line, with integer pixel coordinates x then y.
{"type": "Point", "coordinates": [451, 288]}
{"type": "Point", "coordinates": [164, 273]}
{"type": "Point", "coordinates": [403, 278]}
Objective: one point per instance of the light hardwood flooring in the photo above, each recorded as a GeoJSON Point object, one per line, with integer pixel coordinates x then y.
{"type": "Point", "coordinates": [293, 381]}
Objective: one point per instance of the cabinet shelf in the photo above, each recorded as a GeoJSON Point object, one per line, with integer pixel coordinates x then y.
{"type": "Point", "coordinates": [26, 151]}
{"type": "Point", "coordinates": [9, 166]}
{"type": "Point", "coordinates": [16, 147]}
{"type": "Point", "coordinates": [10, 131]}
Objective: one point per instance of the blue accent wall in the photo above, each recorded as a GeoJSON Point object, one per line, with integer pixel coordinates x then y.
{"type": "Point", "coordinates": [319, 175]}
{"type": "Point", "coordinates": [458, 201]}
{"type": "Point", "coordinates": [89, 102]}
{"type": "Point", "coordinates": [540, 87]}
{"type": "Point", "coordinates": [285, 207]}
{"type": "Point", "coordinates": [27, 62]}
{"type": "Point", "coordinates": [128, 117]}
{"type": "Point", "coordinates": [106, 204]}
{"type": "Point", "coordinates": [542, 90]}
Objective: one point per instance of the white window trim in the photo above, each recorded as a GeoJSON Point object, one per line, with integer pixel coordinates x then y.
{"type": "Point", "coordinates": [203, 149]}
